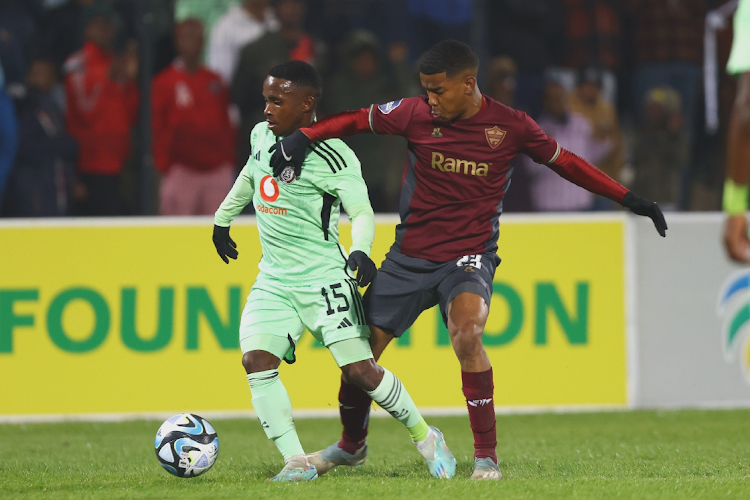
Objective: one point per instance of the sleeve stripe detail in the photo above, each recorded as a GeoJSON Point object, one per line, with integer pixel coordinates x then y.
{"type": "Point", "coordinates": [370, 120]}
{"type": "Point", "coordinates": [330, 165]}
{"type": "Point", "coordinates": [330, 149]}
{"type": "Point", "coordinates": [554, 157]}
{"type": "Point", "coordinates": [328, 154]}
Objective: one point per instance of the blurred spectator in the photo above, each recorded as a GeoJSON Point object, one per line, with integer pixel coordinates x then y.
{"type": "Point", "coordinates": [41, 182]}
{"type": "Point", "coordinates": [549, 191]}
{"type": "Point", "coordinates": [18, 32]}
{"type": "Point", "coordinates": [256, 58]}
{"type": "Point", "coordinates": [361, 81]}
{"type": "Point", "coordinates": [530, 32]}
{"type": "Point", "coordinates": [668, 45]}
{"type": "Point", "coordinates": [102, 103]}
{"type": "Point", "coordinates": [592, 33]}
{"type": "Point", "coordinates": [602, 115]}
{"type": "Point", "coordinates": [431, 21]}
{"type": "Point", "coordinates": [660, 149]}
{"type": "Point", "coordinates": [8, 136]}
{"type": "Point", "coordinates": [63, 29]}
{"type": "Point", "coordinates": [193, 139]}
{"type": "Point", "coordinates": [207, 11]}
{"type": "Point", "coordinates": [239, 26]}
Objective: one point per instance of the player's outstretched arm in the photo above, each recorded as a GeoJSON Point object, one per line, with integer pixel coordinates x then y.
{"type": "Point", "coordinates": [363, 234]}
{"type": "Point", "coordinates": [291, 150]}
{"type": "Point", "coordinates": [239, 196]}
{"type": "Point", "coordinates": [582, 173]}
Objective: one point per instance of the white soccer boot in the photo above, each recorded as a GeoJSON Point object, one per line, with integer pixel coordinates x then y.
{"type": "Point", "coordinates": [328, 458]}
{"type": "Point", "coordinates": [439, 458]}
{"type": "Point", "coordinates": [486, 469]}
{"type": "Point", "coordinates": [296, 469]}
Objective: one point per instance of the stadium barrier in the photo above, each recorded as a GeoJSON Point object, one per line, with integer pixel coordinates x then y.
{"type": "Point", "coordinates": [108, 317]}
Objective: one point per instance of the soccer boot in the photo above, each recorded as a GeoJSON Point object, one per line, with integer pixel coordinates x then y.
{"type": "Point", "coordinates": [296, 469]}
{"type": "Point", "coordinates": [439, 458]}
{"type": "Point", "coordinates": [328, 458]}
{"type": "Point", "coordinates": [486, 469]}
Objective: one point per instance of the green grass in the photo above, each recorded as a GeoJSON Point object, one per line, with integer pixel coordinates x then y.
{"type": "Point", "coordinates": [680, 454]}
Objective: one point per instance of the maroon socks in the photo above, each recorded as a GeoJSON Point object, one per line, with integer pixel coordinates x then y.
{"type": "Point", "coordinates": [354, 408]}
{"type": "Point", "coordinates": [478, 390]}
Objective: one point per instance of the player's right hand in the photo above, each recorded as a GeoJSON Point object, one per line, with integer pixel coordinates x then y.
{"type": "Point", "coordinates": [735, 238]}
{"type": "Point", "coordinates": [289, 152]}
{"type": "Point", "coordinates": [647, 208]}
{"type": "Point", "coordinates": [224, 244]}
{"type": "Point", "coordinates": [366, 268]}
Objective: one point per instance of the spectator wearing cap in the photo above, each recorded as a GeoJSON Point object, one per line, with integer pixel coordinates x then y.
{"type": "Point", "coordinates": [660, 148]}
{"type": "Point", "coordinates": [240, 25]}
{"type": "Point", "coordinates": [41, 182]}
{"type": "Point", "coordinates": [549, 191]}
{"type": "Point", "coordinates": [587, 100]}
{"type": "Point", "coordinates": [102, 105]}
{"type": "Point", "coordinates": [193, 137]}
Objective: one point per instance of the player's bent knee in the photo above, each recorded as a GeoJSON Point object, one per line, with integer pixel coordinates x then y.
{"type": "Point", "coordinates": [364, 374]}
{"type": "Point", "coordinates": [259, 361]}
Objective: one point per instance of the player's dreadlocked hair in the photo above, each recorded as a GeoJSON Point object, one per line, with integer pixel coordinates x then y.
{"type": "Point", "coordinates": [300, 74]}
{"type": "Point", "coordinates": [449, 56]}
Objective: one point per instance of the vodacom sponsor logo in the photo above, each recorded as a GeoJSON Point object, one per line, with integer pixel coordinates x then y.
{"type": "Point", "coordinates": [269, 189]}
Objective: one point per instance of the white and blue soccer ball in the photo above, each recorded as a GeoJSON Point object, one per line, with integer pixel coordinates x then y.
{"type": "Point", "coordinates": [186, 445]}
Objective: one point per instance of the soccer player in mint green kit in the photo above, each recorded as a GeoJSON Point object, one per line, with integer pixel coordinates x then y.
{"type": "Point", "coordinates": [305, 276]}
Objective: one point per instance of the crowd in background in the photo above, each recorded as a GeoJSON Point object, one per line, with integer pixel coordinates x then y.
{"type": "Point", "coordinates": [617, 82]}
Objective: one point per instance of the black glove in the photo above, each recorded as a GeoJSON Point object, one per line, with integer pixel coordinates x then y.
{"type": "Point", "coordinates": [289, 151]}
{"type": "Point", "coordinates": [366, 269]}
{"type": "Point", "coordinates": [642, 206]}
{"type": "Point", "coordinates": [224, 244]}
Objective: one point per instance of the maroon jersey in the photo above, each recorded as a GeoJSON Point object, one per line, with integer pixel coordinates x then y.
{"type": "Point", "coordinates": [456, 174]}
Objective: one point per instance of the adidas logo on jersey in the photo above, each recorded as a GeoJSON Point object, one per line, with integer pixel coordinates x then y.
{"type": "Point", "coordinates": [344, 324]}
{"type": "Point", "coordinates": [440, 162]}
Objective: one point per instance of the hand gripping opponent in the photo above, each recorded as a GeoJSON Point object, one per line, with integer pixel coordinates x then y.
{"type": "Point", "coordinates": [366, 269]}
{"type": "Point", "coordinates": [648, 208]}
{"type": "Point", "coordinates": [289, 152]}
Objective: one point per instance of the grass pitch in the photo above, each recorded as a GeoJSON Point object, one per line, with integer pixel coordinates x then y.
{"type": "Point", "coordinates": [644, 454]}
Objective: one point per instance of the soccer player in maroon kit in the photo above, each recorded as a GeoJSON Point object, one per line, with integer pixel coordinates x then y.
{"type": "Point", "coordinates": [461, 143]}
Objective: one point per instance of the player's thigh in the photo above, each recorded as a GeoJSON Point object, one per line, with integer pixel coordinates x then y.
{"type": "Point", "coordinates": [470, 274]}
{"type": "Point", "coordinates": [270, 323]}
{"type": "Point", "coordinates": [397, 296]}
{"type": "Point", "coordinates": [332, 310]}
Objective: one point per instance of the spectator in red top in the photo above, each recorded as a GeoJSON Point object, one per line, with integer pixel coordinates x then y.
{"type": "Point", "coordinates": [291, 14]}
{"type": "Point", "coordinates": [102, 104]}
{"type": "Point", "coordinates": [193, 137]}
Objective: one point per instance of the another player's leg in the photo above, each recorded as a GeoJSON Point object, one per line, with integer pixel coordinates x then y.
{"type": "Point", "coordinates": [274, 409]}
{"type": "Point", "coordinates": [467, 315]}
{"type": "Point", "coordinates": [387, 390]}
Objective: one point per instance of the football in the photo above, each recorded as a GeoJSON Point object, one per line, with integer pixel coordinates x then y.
{"type": "Point", "coordinates": [186, 445]}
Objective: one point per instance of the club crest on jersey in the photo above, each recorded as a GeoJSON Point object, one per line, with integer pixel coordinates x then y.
{"type": "Point", "coordinates": [436, 132]}
{"type": "Point", "coordinates": [389, 106]}
{"type": "Point", "coordinates": [494, 136]}
{"type": "Point", "coordinates": [287, 175]}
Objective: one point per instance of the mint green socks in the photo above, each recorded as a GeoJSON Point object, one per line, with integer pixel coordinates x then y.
{"type": "Point", "coordinates": [393, 398]}
{"type": "Point", "coordinates": [274, 409]}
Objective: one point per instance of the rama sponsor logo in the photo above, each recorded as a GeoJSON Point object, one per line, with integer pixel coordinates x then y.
{"type": "Point", "coordinates": [459, 166]}
{"type": "Point", "coordinates": [733, 307]}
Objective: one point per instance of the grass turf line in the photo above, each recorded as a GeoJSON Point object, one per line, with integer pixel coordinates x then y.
{"type": "Point", "coordinates": [643, 454]}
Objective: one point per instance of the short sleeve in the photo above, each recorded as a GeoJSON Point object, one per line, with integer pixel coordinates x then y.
{"type": "Point", "coordinates": [392, 118]}
{"type": "Point", "coordinates": [536, 144]}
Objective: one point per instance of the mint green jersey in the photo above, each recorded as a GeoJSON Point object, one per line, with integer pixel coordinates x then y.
{"type": "Point", "coordinates": [298, 222]}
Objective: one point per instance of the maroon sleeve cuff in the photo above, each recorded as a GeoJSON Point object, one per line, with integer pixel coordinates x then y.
{"type": "Point", "coordinates": [340, 125]}
{"type": "Point", "coordinates": [582, 173]}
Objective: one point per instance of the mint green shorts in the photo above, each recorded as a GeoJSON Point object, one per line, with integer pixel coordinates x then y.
{"type": "Point", "coordinates": [739, 57]}
{"type": "Point", "coordinates": [275, 316]}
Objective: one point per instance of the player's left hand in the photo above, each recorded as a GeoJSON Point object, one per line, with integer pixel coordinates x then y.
{"type": "Point", "coordinates": [289, 152]}
{"type": "Point", "coordinates": [366, 268]}
{"type": "Point", "coordinates": [736, 241]}
{"type": "Point", "coordinates": [648, 208]}
{"type": "Point", "coordinates": [225, 246]}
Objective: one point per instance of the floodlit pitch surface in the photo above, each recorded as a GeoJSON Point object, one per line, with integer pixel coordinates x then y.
{"type": "Point", "coordinates": [644, 454]}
